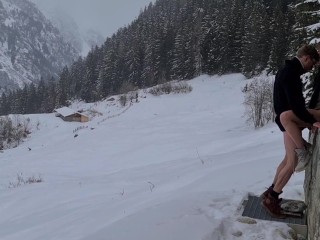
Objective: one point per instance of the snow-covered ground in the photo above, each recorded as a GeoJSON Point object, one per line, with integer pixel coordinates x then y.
{"type": "Point", "coordinates": [173, 167]}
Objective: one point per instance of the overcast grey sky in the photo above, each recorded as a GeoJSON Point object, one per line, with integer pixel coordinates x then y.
{"type": "Point", "coordinates": [104, 15]}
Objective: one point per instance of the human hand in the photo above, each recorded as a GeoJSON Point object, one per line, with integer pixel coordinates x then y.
{"type": "Point", "coordinates": [315, 126]}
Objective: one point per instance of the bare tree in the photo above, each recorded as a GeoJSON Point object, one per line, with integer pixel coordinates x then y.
{"type": "Point", "coordinates": [259, 101]}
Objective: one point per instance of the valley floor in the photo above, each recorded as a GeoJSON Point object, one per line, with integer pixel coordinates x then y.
{"type": "Point", "coordinates": [173, 167]}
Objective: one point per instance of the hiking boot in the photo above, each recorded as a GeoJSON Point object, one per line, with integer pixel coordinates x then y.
{"type": "Point", "coordinates": [266, 192]}
{"type": "Point", "coordinates": [269, 190]}
{"type": "Point", "coordinates": [304, 156]}
{"type": "Point", "coordinates": [272, 205]}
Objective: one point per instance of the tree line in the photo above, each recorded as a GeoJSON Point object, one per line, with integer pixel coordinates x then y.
{"type": "Point", "coordinates": [175, 40]}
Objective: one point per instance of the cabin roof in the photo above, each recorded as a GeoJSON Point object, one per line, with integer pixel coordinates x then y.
{"type": "Point", "coordinates": [65, 111]}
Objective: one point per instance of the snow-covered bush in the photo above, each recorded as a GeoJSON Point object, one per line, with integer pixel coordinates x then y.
{"type": "Point", "coordinates": [169, 87]}
{"type": "Point", "coordinates": [259, 101]}
{"type": "Point", "coordinates": [20, 181]}
{"type": "Point", "coordinates": [123, 99]}
{"type": "Point", "coordinates": [13, 130]}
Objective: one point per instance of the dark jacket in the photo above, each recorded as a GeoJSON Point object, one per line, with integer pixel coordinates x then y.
{"type": "Point", "coordinates": [287, 94]}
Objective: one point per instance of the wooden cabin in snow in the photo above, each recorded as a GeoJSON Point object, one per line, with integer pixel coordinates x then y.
{"type": "Point", "coordinates": [69, 115]}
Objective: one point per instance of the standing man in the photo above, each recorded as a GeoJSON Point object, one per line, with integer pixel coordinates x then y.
{"type": "Point", "coordinates": [291, 117]}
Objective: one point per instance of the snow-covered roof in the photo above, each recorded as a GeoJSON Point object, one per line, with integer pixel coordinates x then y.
{"type": "Point", "coordinates": [65, 111]}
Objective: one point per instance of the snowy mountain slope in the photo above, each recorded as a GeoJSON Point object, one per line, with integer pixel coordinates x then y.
{"type": "Point", "coordinates": [173, 167]}
{"type": "Point", "coordinates": [30, 47]}
{"type": "Point", "coordinates": [83, 40]}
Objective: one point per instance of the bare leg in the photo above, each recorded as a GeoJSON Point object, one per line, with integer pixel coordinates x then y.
{"type": "Point", "coordinates": [286, 171]}
{"type": "Point", "coordinates": [293, 126]}
{"type": "Point", "coordinates": [280, 167]}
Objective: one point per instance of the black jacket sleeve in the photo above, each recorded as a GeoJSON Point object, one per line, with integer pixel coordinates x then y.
{"type": "Point", "coordinates": [293, 90]}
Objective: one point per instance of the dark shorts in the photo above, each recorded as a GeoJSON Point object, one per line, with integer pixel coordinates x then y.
{"type": "Point", "coordinates": [277, 120]}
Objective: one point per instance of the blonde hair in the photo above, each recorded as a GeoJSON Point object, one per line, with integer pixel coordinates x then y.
{"type": "Point", "coordinates": [308, 50]}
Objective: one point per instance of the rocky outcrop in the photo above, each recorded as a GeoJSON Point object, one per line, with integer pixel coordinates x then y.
{"type": "Point", "coordinates": [312, 190]}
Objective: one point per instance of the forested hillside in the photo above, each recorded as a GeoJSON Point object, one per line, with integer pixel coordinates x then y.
{"type": "Point", "coordinates": [179, 39]}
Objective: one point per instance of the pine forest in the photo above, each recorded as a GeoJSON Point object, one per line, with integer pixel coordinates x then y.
{"type": "Point", "coordinates": [177, 40]}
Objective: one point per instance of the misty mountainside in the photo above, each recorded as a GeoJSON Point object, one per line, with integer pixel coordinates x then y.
{"type": "Point", "coordinates": [83, 40]}
{"type": "Point", "coordinates": [31, 48]}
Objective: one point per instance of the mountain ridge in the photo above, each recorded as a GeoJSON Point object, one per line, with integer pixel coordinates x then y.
{"type": "Point", "coordinates": [83, 40]}
{"type": "Point", "coordinates": [31, 48]}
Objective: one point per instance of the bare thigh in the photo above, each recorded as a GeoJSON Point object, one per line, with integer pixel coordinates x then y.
{"type": "Point", "coordinates": [291, 116]}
